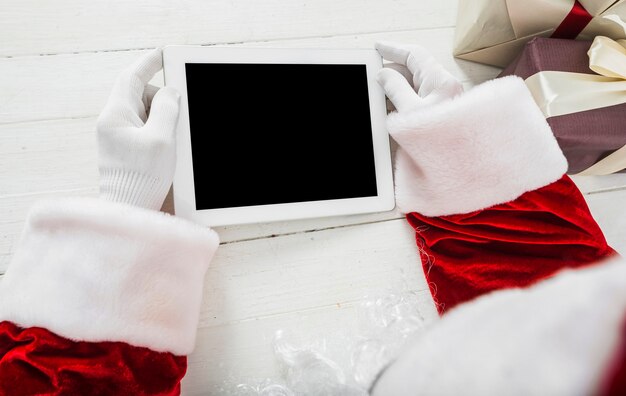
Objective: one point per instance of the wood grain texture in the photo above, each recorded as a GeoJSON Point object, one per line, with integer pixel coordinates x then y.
{"type": "Point", "coordinates": [45, 156]}
{"type": "Point", "coordinates": [313, 269]}
{"type": "Point", "coordinates": [307, 285]}
{"type": "Point", "coordinates": [35, 88]}
{"type": "Point", "coordinates": [608, 210]}
{"type": "Point", "coordinates": [77, 85]}
{"type": "Point", "coordinates": [243, 353]}
{"type": "Point", "coordinates": [593, 184]}
{"type": "Point", "coordinates": [14, 211]}
{"type": "Point", "coordinates": [33, 27]}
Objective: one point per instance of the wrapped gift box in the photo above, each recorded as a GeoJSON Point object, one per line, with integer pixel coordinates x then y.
{"type": "Point", "coordinates": [495, 31]}
{"type": "Point", "coordinates": [586, 136]}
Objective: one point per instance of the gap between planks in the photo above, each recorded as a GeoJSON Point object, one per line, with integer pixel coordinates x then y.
{"type": "Point", "coordinates": [605, 218]}
{"type": "Point", "coordinates": [73, 26]}
{"type": "Point", "coordinates": [348, 304]}
{"type": "Point", "coordinates": [311, 230]}
{"type": "Point", "coordinates": [230, 43]}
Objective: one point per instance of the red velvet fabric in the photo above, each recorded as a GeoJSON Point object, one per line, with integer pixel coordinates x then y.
{"type": "Point", "coordinates": [509, 245]}
{"type": "Point", "coordinates": [35, 361]}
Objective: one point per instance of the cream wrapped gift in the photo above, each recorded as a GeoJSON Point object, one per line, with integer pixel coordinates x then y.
{"type": "Point", "coordinates": [495, 31]}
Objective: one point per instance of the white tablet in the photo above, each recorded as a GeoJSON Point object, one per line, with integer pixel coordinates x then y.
{"type": "Point", "coordinates": [277, 134]}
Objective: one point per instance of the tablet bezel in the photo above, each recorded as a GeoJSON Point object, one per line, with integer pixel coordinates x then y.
{"type": "Point", "coordinates": [174, 60]}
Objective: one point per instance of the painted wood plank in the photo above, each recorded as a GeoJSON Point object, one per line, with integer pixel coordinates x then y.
{"type": "Point", "coordinates": [77, 85]}
{"type": "Point", "coordinates": [609, 210]}
{"type": "Point", "coordinates": [48, 156]}
{"type": "Point", "coordinates": [34, 27]}
{"type": "Point", "coordinates": [13, 212]}
{"type": "Point", "coordinates": [438, 41]}
{"type": "Point", "coordinates": [36, 88]}
{"type": "Point", "coordinates": [305, 270]}
{"type": "Point", "coordinates": [40, 160]}
{"type": "Point", "coordinates": [308, 285]}
{"type": "Point", "coordinates": [592, 184]}
{"type": "Point", "coordinates": [242, 352]}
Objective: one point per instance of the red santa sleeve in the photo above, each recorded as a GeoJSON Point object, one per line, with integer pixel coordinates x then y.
{"type": "Point", "coordinates": [498, 224]}
{"type": "Point", "coordinates": [101, 298]}
{"type": "Point", "coordinates": [483, 183]}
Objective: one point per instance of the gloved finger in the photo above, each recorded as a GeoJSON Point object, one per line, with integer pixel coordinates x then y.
{"type": "Point", "coordinates": [438, 84]}
{"type": "Point", "coordinates": [148, 95]}
{"type": "Point", "coordinates": [413, 57]}
{"type": "Point", "coordinates": [398, 90]}
{"type": "Point", "coordinates": [391, 52]}
{"type": "Point", "coordinates": [428, 75]}
{"type": "Point", "coordinates": [164, 113]}
{"type": "Point", "coordinates": [402, 70]}
{"type": "Point", "coordinates": [117, 115]}
{"type": "Point", "coordinates": [130, 85]}
{"type": "Point", "coordinates": [147, 66]}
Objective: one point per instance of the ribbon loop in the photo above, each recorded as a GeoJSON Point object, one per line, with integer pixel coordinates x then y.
{"type": "Point", "coordinates": [608, 57]}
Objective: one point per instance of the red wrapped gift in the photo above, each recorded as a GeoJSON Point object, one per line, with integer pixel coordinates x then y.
{"type": "Point", "coordinates": [586, 111]}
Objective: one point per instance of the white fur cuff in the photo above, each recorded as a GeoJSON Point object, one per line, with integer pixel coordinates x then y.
{"type": "Point", "coordinates": [482, 148]}
{"type": "Point", "coordinates": [92, 270]}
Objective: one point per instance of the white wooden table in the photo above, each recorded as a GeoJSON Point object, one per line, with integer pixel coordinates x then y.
{"type": "Point", "coordinates": [58, 61]}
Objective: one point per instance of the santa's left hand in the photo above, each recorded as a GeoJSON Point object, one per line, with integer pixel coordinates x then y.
{"type": "Point", "coordinates": [414, 78]}
{"type": "Point", "coordinates": [136, 137]}
{"type": "Point", "coordinates": [492, 138]}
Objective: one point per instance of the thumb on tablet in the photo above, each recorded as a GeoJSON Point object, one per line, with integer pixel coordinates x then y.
{"type": "Point", "coordinates": [164, 112]}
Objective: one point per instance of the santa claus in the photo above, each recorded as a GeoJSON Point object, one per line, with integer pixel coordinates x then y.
{"type": "Point", "coordinates": [103, 294]}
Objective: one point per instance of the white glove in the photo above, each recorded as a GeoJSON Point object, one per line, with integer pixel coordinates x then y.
{"type": "Point", "coordinates": [137, 152]}
{"type": "Point", "coordinates": [414, 78]}
{"type": "Point", "coordinates": [462, 151]}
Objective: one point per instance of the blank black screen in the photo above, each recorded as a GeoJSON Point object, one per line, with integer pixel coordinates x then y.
{"type": "Point", "coordinates": [278, 133]}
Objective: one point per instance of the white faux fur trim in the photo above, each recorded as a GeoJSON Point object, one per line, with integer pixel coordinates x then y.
{"type": "Point", "coordinates": [482, 148]}
{"type": "Point", "coordinates": [555, 338]}
{"type": "Point", "coordinates": [93, 270]}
